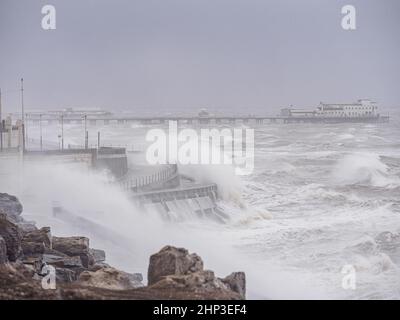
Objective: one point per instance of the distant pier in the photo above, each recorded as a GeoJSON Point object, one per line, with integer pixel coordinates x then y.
{"type": "Point", "coordinates": [34, 118]}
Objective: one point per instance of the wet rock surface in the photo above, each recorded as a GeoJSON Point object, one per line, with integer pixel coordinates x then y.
{"type": "Point", "coordinates": [236, 281]}
{"type": "Point", "coordinates": [172, 261]}
{"type": "Point", "coordinates": [12, 236]}
{"type": "Point", "coordinates": [98, 255]}
{"type": "Point", "coordinates": [110, 278]}
{"type": "Point", "coordinates": [27, 253]}
{"type": "Point", "coordinates": [74, 246]}
{"type": "Point", "coordinates": [175, 269]}
{"type": "Point", "coordinates": [42, 235]}
{"type": "Point", "coordinates": [10, 206]}
{"type": "Point", "coordinates": [17, 282]}
{"type": "Point", "coordinates": [3, 251]}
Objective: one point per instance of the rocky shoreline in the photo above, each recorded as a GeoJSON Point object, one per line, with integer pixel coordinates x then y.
{"type": "Point", "coordinates": [29, 255]}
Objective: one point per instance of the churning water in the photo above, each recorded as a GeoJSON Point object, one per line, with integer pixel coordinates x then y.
{"type": "Point", "coordinates": [321, 197]}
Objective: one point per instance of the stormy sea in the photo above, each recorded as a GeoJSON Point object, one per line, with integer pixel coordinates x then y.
{"type": "Point", "coordinates": [321, 197]}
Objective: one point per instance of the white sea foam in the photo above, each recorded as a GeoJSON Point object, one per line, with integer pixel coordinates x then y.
{"type": "Point", "coordinates": [363, 168]}
{"type": "Point", "coordinates": [315, 203]}
{"type": "Point", "coordinates": [132, 236]}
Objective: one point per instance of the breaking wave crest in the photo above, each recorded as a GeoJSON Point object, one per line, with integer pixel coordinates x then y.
{"type": "Point", "coordinates": [363, 169]}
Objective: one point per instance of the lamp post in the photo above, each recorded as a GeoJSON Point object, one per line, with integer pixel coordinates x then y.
{"type": "Point", "coordinates": [62, 131]}
{"type": "Point", "coordinates": [41, 133]}
{"type": "Point", "coordinates": [86, 133]}
{"type": "Point", "coordinates": [26, 129]}
{"type": "Point", "coordinates": [22, 115]}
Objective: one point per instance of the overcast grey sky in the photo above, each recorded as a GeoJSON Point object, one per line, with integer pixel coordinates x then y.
{"type": "Point", "coordinates": [159, 55]}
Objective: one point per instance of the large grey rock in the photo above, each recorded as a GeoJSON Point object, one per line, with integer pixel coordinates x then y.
{"type": "Point", "coordinates": [3, 251]}
{"type": "Point", "coordinates": [42, 235]}
{"type": "Point", "coordinates": [71, 246]}
{"type": "Point", "coordinates": [32, 248]}
{"type": "Point", "coordinates": [173, 269]}
{"type": "Point", "coordinates": [110, 278]}
{"type": "Point", "coordinates": [236, 281]}
{"type": "Point", "coordinates": [34, 263]}
{"type": "Point", "coordinates": [12, 236]}
{"type": "Point", "coordinates": [204, 280]}
{"type": "Point", "coordinates": [53, 256]}
{"type": "Point", "coordinates": [74, 246]}
{"type": "Point", "coordinates": [98, 266]}
{"type": "Point", "coordinates": [136, 277]}
{"type": "Point", "coordinates": [67, 268]}
{"type": "Point", "coordinates": [36, 241]}
{"type": "Point", "coordinates": [66, 275]}
{"type": "Point", "coordinates": [66, 262]}
{"type": "Point", "coordinates": [172, 261]}
{"type": "Point", "coordinates": [98, 255]}
{"type": "Point", "coordinates": [11, 206]}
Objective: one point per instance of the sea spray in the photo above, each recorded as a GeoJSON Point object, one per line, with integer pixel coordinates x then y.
{"type": "Point", "coordinates": [85, 194]}
{"type": "Point", "coordinates": [316, 211]}
{"type": "Point", "coordinates": [363, 168]}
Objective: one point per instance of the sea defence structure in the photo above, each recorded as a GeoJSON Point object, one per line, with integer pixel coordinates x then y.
{"type": "Point", "coordinates": [153, 188]}
{"type": "Point", "coordinates": [163, 192]}
{"type": "Point", "coordinates": [177, 203]}
{"type": "Point", "coordinates": [112, 159]}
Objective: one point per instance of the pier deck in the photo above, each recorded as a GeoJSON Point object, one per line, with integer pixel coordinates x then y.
{"type": "Point", "coordinates": [257, 119]}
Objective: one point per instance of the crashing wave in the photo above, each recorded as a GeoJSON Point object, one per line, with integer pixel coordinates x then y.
{"type": "Point", "coordinates": [364, 169]}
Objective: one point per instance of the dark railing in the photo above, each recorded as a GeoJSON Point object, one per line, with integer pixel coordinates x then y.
{"type": "Point", "coordinates": [57, 145]}
{"type": "Point", "coordinates": [210, 190]}
{"type": "Point", "coordinates": [46, 144]}
{"type": "Point", "coordinates": [163, 175]}
{"type": "Point", "coordinates": [128, 147]}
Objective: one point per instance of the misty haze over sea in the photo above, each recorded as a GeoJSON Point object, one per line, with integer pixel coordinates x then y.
{"type": "Point", "coordinates": [321, 196]}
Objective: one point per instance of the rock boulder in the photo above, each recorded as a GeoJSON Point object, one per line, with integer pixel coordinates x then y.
{"type": "Point", "coordinates": [201, 280]}
{"type": "Point", "coordinates": [3, 251]}
{"type": "Point", "coordinates": [10, 206]}
{"type": "Point", "coordinates": [174, 269]}
{"type": "Point", "coordinates": [66, 275]}
{"type": "Point", "coordinates": [236, 281]}
{"type": "Point", "coordinates": [98, 255]}
{"type": "Point", "coordinates": [12, 236]}
{"type": "Point", "coordinates": [172, 261]}
{"type": "Point", "coordinates": [36, 242]}
{"type": "Point", "coordinates": [42, 235]}
{"type": "Point", "coordinates": [74, 246]}
{"type": "Point", "coordinates": [32, 248]}
{"type": "Point", "coordinates": [67, 268]}
{"type": "Point", "coordinates": [110, 278]}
